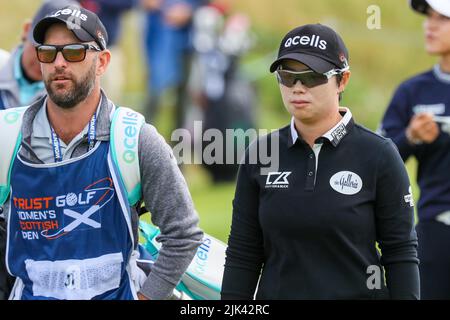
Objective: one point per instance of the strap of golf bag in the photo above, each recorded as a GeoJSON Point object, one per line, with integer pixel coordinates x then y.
{"type": "Point", "coordinates": [125, 127]}
{"type": "Point", "coordinates": [11, 137]}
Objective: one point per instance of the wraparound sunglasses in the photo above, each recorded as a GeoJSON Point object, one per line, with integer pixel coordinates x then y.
{"type": "Point", "coordinates": [307, 78]}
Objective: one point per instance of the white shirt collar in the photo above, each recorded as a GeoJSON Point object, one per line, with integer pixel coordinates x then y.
{"type": "Point", "coordinates": [440, 75]}
{"type": "Point", "coordinates": [335, 134]}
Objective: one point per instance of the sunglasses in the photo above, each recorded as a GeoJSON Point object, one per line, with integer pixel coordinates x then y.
{"type": "Point", "coordinates": [71, 52]}
{"type": "Point", "coordinates": [307, 78]}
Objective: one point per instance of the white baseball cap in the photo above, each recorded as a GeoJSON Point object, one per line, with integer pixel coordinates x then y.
{"type": "Point", "coordinates": [440, 6]}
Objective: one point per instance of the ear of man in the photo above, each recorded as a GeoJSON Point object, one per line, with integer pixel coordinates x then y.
{"type": "Point", "coordinates": [104, 58]}
{"type": "Point", "coordinates": [26, 28]}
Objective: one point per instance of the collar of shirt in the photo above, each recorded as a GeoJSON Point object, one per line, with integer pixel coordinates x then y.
{"type": "Point", "coordinates": [441, 75]}
{"type": "Point", "coordinates": [41, 126]}
{"type": "Point", "coordinates": [334, 135]}
{"type": "Point", "coordinates": [103, 119]}
{"type": "Point", "coordinates": [104, 115]}
{"type": "Point", "coordinates": [28, 90]}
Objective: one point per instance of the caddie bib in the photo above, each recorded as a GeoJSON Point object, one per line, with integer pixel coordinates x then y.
{"type": "Point", "coordinates": [69, 229]}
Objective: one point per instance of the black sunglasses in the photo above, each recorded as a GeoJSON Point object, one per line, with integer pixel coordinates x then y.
{"type": "Point", "coordinates": [307, 78]}
{"type": "Point", "coordinates": [75, 52]}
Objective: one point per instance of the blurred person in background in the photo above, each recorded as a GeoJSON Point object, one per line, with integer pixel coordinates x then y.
{"type": "Point", "coordinates": [308, 228]}
{"type": "Point", "coordinates": [111, 13]}
{"type": "Point", "coordinates": [168, 49]}
{"type": "Point", "coordinates": [224, 95]}
{"type": "Point", "coordinates": [20, 77]}
{"type": "Point", "coordinates": [418, 121]}
{"type": "Point", "coordinates": [21, 84]}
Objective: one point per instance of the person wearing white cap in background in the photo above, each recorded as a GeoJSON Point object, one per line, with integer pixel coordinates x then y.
{"type": "Point", "coordinates": [20, 76]}
{"type": "Point", "coordinates": [418, 121]}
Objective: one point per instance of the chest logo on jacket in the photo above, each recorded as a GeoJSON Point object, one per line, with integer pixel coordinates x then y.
{"type": "Point", "coordinates": [278, 180]}
{"type": "Point", "coordinates": [346, 182]}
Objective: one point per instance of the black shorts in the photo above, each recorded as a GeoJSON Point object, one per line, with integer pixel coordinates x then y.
{"type": "Point", "coordinates": [434, 255]}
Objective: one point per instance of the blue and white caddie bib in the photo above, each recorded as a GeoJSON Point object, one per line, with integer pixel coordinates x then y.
{"type": "Point", "coordinates": [69, 229]}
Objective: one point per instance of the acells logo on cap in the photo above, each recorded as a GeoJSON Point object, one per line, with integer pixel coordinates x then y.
{"type": "Point", "coordinates": [70, 12]}
{"type": "Point", "coordinates": [313, 41]}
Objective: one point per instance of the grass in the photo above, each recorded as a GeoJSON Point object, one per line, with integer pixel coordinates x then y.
{"type": "Point", "coordinates": [380, 59]}
{"type": "Point", "coordinates": [215, 205]}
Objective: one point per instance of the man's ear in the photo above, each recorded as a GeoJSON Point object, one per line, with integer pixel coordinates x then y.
{"type": "Point", "coordinates": [104, 58]}
{"type": "Point", "coordinates": [26, 29]}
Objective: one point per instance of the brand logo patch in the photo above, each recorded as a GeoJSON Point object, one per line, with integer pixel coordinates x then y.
{"type": "Point", "coordinates": [346, 182]}
{"type": "Point", "coordinates": [409, 197]}
{"type": "Point", "coordinates": [131, 134]}
{"type": "Point", "coordinates": [339, 133]}
{"type": "Point", "coordinates": [278, 179]}
{"type": "Point", "coordinates": [57, 215]}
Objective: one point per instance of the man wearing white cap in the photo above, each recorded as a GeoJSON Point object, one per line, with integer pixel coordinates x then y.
{"type": "Point", "coordinates": [418, 121]}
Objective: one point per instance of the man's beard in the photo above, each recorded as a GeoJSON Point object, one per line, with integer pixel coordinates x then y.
{"type": "Point", "coordinates": [73, 96]}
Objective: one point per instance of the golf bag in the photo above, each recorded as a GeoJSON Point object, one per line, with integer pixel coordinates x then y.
{"type": "Point", "coordinates": [203, 278]}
